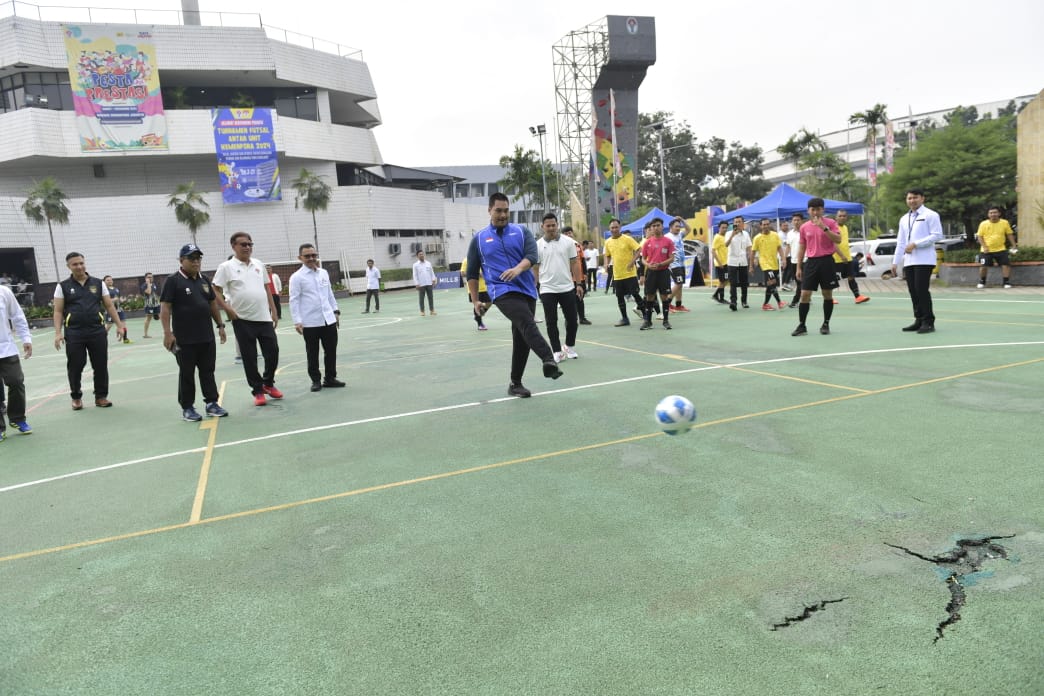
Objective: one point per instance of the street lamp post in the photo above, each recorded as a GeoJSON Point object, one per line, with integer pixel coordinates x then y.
{"type": "Point", "coordinates": [540, 131]}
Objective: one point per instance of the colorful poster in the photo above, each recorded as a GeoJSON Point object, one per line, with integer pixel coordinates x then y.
{"type": "Point", "coordinates": [115, 86]}
{"type": "Point", "coordinates": [614, 168]}
{"type": "Point", "coordinates": [247, 163]}
{"type": "Point", "coordinates": [889, 148]}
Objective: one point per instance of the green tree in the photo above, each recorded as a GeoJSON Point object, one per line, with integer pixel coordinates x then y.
{"type": "Point", "coordinates": [830, 176]}
{"type": "Point", "coordinates": [46, 203]}
{"type": "Point", "coordinates": [802, 143]}
{"type": "Point", "coordinates": [875, 116]}
{"type": "Point", "coordinates": [523, 175]}
{"type": "Point", "coordinates": [736, 174]}
{"type": "Point", "coordinates": [313, 194]}
{"type": "Point", "coordinates": [190, 208]}
{"type": "Point", "coordinates": [962, 168]}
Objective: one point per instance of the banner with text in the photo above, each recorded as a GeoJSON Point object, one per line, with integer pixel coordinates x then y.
{"type": "Point", "coordinates": [247, 164]}
{"type": "Point", "coordinates": [115, 87]}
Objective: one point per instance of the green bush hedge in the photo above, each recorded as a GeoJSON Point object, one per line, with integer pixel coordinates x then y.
{"type": "Point", "coordinates": [1028, 253]}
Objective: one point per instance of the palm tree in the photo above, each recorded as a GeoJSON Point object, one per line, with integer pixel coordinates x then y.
{"type": "Point", "coordinates": [875, 116]}
{"type": "Point", "coordinates": [312, 194]}
{"type": "Point", "coordinates": [189, 207]}
{"type": "Point", "coordinates": [523, 174]}
{"type": "Point", "coordinates": [802, 143]}
{"type": "Point", "coordinates": [46, 202]}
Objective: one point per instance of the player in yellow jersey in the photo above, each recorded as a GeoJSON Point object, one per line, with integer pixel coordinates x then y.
{"type": "Point", "coordinates": [720, 254]}
{"type": "Point", "coordinates": [843, 258]}
{"type": "Point", "coordinates": [623, 250]}
{"type": "Point", "coordinates": [767, 248]}
{"type": "Point", "coordinates": [992, 235]}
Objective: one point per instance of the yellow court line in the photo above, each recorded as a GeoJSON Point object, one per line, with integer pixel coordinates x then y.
{"type": "Point", "coordinates": [208, 457]}
{"type": "Point", "coordinates": [495, 465]}
{"type": "Point", "coordinates": [646, 352]}
{"type": "Point", "coordinates": [798, 379]}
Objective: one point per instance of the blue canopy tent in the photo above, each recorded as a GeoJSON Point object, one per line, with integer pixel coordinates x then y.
{"type": "Point", "coordinates": [782, 202]}
{"type": "Point", "coordinates": [635, 228]}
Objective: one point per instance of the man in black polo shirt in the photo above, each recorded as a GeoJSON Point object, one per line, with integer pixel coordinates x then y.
{"type": "Point", "coordinates": [78, 304]}
{"type": "Point", "coordinates": [188, 306]}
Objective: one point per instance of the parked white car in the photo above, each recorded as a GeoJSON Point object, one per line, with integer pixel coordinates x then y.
{"type": "Point", "coordinates": [877, 256]}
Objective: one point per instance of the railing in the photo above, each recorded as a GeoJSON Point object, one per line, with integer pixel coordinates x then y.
{"type": "Point", "coordinates": [115, 15]}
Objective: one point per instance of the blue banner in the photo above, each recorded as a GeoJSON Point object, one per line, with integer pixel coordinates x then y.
{"type": "Point", "coordinates": [246, 152]}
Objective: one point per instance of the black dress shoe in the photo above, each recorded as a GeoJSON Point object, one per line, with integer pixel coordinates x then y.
{"type": "Point", "coordinates": [333, 383]}
{"type": "Point", "coordinates": [316, 387]}
{"type": "Point", "coordinates": [926, 328]}
{"type": "Point", "coordinates": [916, 326]}
{"type": "Point", "coordinates": [519, 391]}
{"type": "Point", "coordinates": [551, 370]}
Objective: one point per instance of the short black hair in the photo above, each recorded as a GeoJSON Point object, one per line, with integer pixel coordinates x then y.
{"type": "Point", "coordinates": [567, 229]}
{"type": "Point", "coordinates": [72, 255]}
{"type": "Point", "coordinates": [549, 216]}
{"type": "Point", "coordinates": [915, 191]}
{"type": "Point", "coordinates": [816, 203]}
{"type": "Point", "coordinates": [997, 208]}
{"type": "Point", "coordinates": [306, 245]}
{"type": "Point", "coordinates": [498, 196]}
{"type": "Point", "coordinates": [612, 220]}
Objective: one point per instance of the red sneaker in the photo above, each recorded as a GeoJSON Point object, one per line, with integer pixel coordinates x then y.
{"type": "Point", "coordinates": [272, 392]}
{"type": "Point", "coordinates": [782, 305]}
{"type": "Point", "coordinates": [680, 308]}
{"type": "Point", "coordinates": [259, 400]}
{"type": "Point", "coordinates": [860, 299]}
{"type": "Point", "coordinates": [768, 308]}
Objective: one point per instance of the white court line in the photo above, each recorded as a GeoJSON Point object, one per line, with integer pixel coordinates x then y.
{"type": "Point", "coordinates": [472, 404]}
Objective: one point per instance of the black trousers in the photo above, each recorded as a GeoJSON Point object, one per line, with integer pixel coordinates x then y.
{"type": "Point", "coordinates": [11, 375]}
{"type": "Point", "coordinates": [592, 279]}
{"type": "Point", "coordinates": [376, 295]}
{"type": "Point", "coordinates": [192, 358]}
{"type": "Point", "coordinates": [326, 336]}
{"type": "Point", "coordinates": [525, 336]}
{"type": "Point", "coordinates": [918, 283]}
{"type": "Point", "coordinates": [278, 300]}
{"type": "Point", "coordinates": [738, 275]}
{"type": "Point", "coordinates": [623, 288]}
{"type": "Point", "coordinates": [567, 301]}
{"type": "Point", "coordinates": [78, 347]}
{"type": "Point", "coordinates": [426, 291]}
{"type": "Point", "coordinates": [250, 335]}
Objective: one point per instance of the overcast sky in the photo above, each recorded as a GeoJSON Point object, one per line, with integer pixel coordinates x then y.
{"type": "Point", "coordinates": [462, 86]}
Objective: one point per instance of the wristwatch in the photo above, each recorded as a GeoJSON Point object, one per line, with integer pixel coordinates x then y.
{"type": "Point", "coordinates": [221, 326]}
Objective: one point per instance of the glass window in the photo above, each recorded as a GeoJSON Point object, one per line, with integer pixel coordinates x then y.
{"type": "Point", "coordinates": [492, 188]}
{"type": "Point", "coordinates": [17, 77]}
{"type": "Point", "coordinates": [49, 78]}
{"type": "Point", "coordinates": [462, 190]}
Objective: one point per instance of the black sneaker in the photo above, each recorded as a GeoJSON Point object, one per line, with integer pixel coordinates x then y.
{"type": "Point", "coordinates": [333, 383]}
{"type": "Point", "coordinates": [732, 306]}
{"type": "Point", "coordinates": [825, 329]}
{"type": "Point", "coordinates": [667, 325]}
{"type": "Point", "coordinates": [638, 312]}
{"type": "Point", "coordinates": [793, 304]}
{"type": "Point", "coordinates": [799, 331]}
{"type": "Point", "coordinates": [551, 370]}
{"type": "Point", "coordinates": [646, 325]}
{"type": "Point", "coordinates": [926, 328]}
{"type": "Point", "coordinates": [913, 327]}
{"type": "Point", "coordinates": [585, 322]}
{"type": "Point", "coordinates": [519, 391]}
{"type": "Point", "coordinates": [623, 322]}
{"type": "Point", "coordinates": [746, 306]}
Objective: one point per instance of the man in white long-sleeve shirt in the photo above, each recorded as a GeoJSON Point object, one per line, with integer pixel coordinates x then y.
{"type": "Point", "coordinates": [425, 280]}
{"type": "Point", "coordinates": [919, 230]}
{"type": "Point", "coordinates": [11, 315]}
{"type": "Point", "coordinates": [316, 316]}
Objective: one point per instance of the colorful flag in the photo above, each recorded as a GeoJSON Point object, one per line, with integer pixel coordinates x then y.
{"type": "Point", "coordinates": [889, 148]}
{"type": "Point", "coordinates": [871, 160]}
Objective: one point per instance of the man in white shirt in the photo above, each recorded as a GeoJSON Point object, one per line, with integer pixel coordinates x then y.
{"type": "Point", "coordinates": [793, 242]}
{"type": "Point", "coordinates": [919, 230]}
{"type": "Point", "coordinates": [242, 288]}
{"type": "Point", "coordinates": [591, 260]}
{"type": "Point", "coordinates": [425, 280]}
{"type": "Point", "coordinates": [373, 286]}
{"type": "Point", "coordinates": [12, 316]}
{"type": "Point", "coordinates": [556, 268]}
{"type": "Point", "coordinates": [738, 244]}
{"type": "Point", "coordinates": [316, 316]}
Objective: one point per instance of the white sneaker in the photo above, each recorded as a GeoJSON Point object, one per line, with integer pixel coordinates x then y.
{"type": "Point", "coordinates": [1007, 286]}
{"type": "Point", "coordinates": [981, 285]}
{"type": "Point", "coordinates": [559, 357]}
{"type": "Point", "coordinates": [570, 353]}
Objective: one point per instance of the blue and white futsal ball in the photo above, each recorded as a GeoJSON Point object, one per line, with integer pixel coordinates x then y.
{"type": "Point", "coordinates": [675, 414]}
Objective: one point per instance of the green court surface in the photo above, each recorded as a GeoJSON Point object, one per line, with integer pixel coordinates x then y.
{"type": "Point", "coordinates": [420, 532]}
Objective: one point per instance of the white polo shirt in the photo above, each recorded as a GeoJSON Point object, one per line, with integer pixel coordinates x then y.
{"type": "Point", "coordinates": [554, 258]}
{"type": "Point", "coordinates": [245, 287]}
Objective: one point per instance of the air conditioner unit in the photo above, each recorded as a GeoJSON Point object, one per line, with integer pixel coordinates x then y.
{"type": "Point", "coordinates": [415, 247]}
{"type": "Point", "coordinates": [433, 248]}
{"type": "Point", "coordinates": [394, 249]}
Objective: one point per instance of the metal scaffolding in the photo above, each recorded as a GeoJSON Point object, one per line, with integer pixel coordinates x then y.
{"type": "Point", "coordinates": [578, 58]}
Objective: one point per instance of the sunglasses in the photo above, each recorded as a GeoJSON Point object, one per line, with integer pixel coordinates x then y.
{"type": "Point", "coordinates": [309, 256]}
{"type": "Point", "coordinates": [245, 244]}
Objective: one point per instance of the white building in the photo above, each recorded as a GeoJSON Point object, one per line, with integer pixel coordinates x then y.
{"type": "Point", "coordinates": [326, 114]}
{"type": "Point", "coordinates": [850, 143]}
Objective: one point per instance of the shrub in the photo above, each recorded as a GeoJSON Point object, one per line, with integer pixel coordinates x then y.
{"type": "Point", "coordinates": [1028, 253]}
